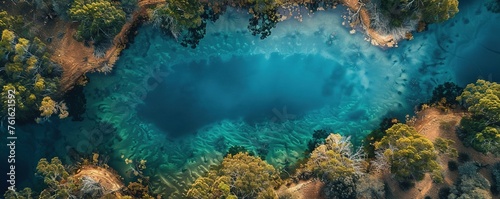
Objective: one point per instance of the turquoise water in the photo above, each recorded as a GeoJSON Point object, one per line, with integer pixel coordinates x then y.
{"type": "Point", "coordinates": [180, 109]}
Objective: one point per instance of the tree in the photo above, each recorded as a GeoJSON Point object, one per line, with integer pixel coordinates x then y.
{"type": "Point", "coordinates": [99, 19]}
{"type": "Point", "coordinates": [470, 183]}
{"type": "Point", "coordinates": [410, 155]}
{"type": "Point", "coordinates": [376, 135]}
{"type": "Point", "coordinates": [475, 92]}
{"type": "Point", "coordinates": [337, 165]}
{"type": "Point", "coordinates": [398, 12]}
{"type": "Point", "coordinates": [239, 176]}
{"type": "Point", "coordinates": [265, 17]}
{"type": "Point", "coordinates": [28, 72]}
{"type": "Point", "coordinates": [438, 10]}
{"type": "Point", "coordinates": [481, 130]}
{"type": "Point", "coordinates": [26, 193]}
{"type": "Point", "coordinates": [10, 22]}
{"type": "Point", "coordinates": [186, 13]}
{"type": "Point", "coordinates": [449, 91]}
{"type": "Point", "coordinates": [60, 184]}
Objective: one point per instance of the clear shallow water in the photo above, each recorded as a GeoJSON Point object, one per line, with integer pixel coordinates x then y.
{"type": "Point", "coordinates": [180, 109]}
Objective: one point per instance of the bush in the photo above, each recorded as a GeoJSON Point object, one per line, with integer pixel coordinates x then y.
{"type": "Point", "coordinates": [496, 178]}
{"type": "Point", "coordinates": [406, 185]}
{"type": "Point", "coordinates": [470, 184]}
{"type": "Point", "coordinates": [452, 165]}
{"type": "Point", "coordinates": [443, 146]}
{"type": "Point", "coordinates": [409, 153]}
{"type": "Point", "coordinates": [341, 188]}
{"type": "Point", "coordinates": [444, 192]}
{"type": "Point", "coordinates": [463, 157]}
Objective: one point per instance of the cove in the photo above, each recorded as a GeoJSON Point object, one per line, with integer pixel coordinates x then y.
{"type": "Point", "coordinates": [197, 94]}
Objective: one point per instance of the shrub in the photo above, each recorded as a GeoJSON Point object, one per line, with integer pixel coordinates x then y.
{"type": "Point", "coordinates": [443, 146]}
{"type": "Point", "coordinates": [444, 192]}
{"type": "Point", "coordinates": [463, 157]}
{"type": "Point", "coordinates": [470, 184]}
{"type": "Point", "coordinates": [406, 185]}
{"type": "Point", "coordinates": [496, 178]}
{"type": "Point", "coordinates": [452, 165]}
{"type": "Point", "coordinates": [344, 188]}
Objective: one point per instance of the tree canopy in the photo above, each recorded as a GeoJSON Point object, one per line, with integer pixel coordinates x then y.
{"type": "Point", "coordinates": [99, 19]}
{"type": "Point", "coordinates": [482, 99]}
{"type": "Point", "coordinates": [28, 71]}
{"type": "Point", "coordinates": [481, 130]}
{"type": "Point", "coordinates": [398, 12]}
{"type": "Point", "coordinates": [239, 176]}
{"type": "Point", "coordinates": [337, 164]}
{"type": "Point", "coordinates": [410, 155]}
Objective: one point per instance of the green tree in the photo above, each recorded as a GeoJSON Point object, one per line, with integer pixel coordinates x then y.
{"type": "Point", "coordinates": [186, 13]}
{"type": "Point", "coordinates": [430, 11]}
{"type": "Point", "coordinates": [478, 97]}
{"type": "Point", "coordinates": [335, 163]}
{"type": "Point", "coordinates": [28, 72]}
{"type": "Point", "coordinates": [239, 176]}
{"type": "Point", "coordinates": [438, 10]}
{"type": "Point", "coordinates": [481, 130]}
{"type": "Point", "coordinates": [410, 155]}
{"type": "Point", "coordinates": [99, 19]}
{"type": "Point", "coordinates": [470, 183]}
{"type": "Point", "coordinates": [60, 184]}
{"type": "Point", "coordinates": [10, 22]}
{"type": "Point", "coordinates": [26, 193]}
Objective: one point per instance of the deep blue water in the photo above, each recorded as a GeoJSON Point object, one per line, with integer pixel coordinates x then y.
{"type": "Point", "coordinates": [200, 93]}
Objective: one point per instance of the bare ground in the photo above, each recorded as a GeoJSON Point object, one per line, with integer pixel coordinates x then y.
{"type": "Point", "coordinates": [309, 189]}
{"type": "Point", "coordinates": [108, 179]}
